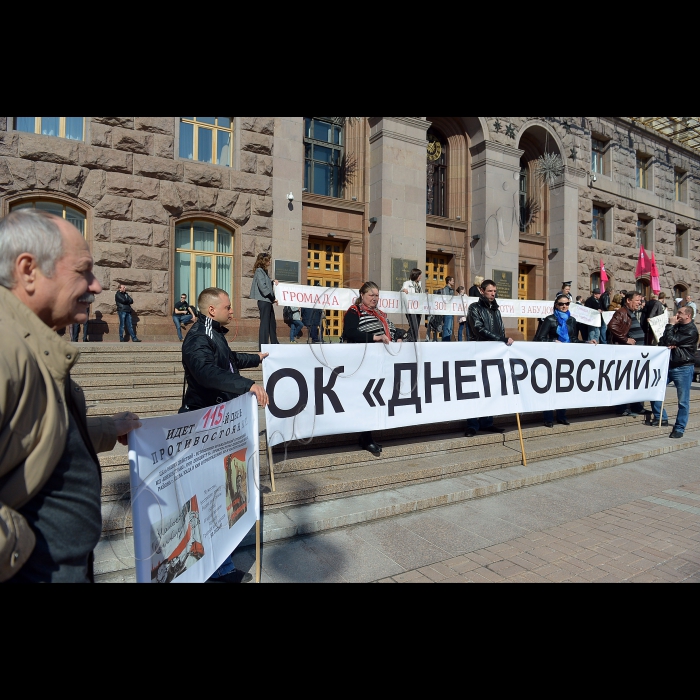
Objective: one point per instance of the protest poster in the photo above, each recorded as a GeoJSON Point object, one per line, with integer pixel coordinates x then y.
{"type": "Point", "coordinates": [658, 325]}
{"type": "Point", "coordinates": [330, 390]}
{"type": "Point", "coordinates": [194, 490]}
{"type": "Point", "coordinates": [336, 299]}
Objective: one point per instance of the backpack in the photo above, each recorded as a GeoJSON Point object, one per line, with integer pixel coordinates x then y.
{"type": "Point", "coordinates": [288, 315]}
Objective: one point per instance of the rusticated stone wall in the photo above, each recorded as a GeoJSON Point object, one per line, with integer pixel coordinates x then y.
{"type": "Point", "coordinates": [126, 176]}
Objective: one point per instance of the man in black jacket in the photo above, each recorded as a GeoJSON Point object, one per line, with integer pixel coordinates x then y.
{"type": "Point", "coordinates": [486, 326]}
{"type": "Point", "coordinates": [212, 372]}
{"type": "Point", "coordinates": [124, 304]}
{"type": "Point", "coordinates": [593, 303]}
{"type": "Point", "coordinates": [682, 340]}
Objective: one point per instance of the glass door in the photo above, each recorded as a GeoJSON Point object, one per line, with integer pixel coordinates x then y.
{"type": "Point", "coordinates": [325, 267]}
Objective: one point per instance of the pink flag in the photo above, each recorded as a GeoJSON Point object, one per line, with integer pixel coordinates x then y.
{"type": "Point", "coordinates": [655, 276]}
{"type": "Point", "coordinates": [644, 265]}
{"type": "Point", "coordinates": [603, 277]}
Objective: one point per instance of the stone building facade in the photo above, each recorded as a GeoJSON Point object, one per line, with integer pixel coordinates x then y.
{"type": "Point", "coordinates": [371, 196]}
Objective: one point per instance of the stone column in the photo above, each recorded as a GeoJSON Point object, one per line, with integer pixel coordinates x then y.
{"type": "Point", "coordinates": [563, 266]}
{"type": "Point", "coordinates": [496, 175]}
{"type": "Point", "coordinates": [288, 176]}
{"type": "Point", "coordinates": [398, 170]}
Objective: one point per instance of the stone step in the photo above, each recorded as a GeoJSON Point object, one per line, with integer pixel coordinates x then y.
{"type": "Point", "coordinates": [400, 466]}
{"type": "Point", "coordinates": [115, 553]}
{"type": "Point", "coordinates": [101, 395]}
{"type": "Point", "coordinates": [144, 408]}
{"type": "Point", "coordinates": [130, 348]}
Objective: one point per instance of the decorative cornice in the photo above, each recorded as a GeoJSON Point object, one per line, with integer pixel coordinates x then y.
{"type": "Point", "coordinates": [385, 133]}
{"type": "Point", "coordinates": [332, 203]}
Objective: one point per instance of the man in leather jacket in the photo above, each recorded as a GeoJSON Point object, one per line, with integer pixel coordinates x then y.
{"type": "Point", "coordinates": [682, 340]}
{"type": "Point", "coordinates": [625, 329]}
{"type": "Point", "coordinates": [486, 326]}
{"type": "Point", "coordinates": [212, 372]}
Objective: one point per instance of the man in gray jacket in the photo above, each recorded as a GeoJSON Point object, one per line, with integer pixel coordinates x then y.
{"type": "Point", "coordinates": [448, 326]}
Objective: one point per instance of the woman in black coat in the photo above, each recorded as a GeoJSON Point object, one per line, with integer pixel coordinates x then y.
{"type": "Point", "coordinates": [560, 327]}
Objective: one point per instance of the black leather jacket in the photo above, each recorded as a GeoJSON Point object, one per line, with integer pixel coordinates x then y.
{"type": "Point", "coordinates": [124, 302]}
{"type": "Point", "coordinates": [486, 323]}
{"type": "Point", "coordinates": [685, 338]}
{"type": "Point", "coordinates": [208, 362]}
{"type": "Point", "coordinates": [548, 332]}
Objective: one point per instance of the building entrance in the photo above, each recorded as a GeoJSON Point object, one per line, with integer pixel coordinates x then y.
{"type": "Point", "coordinates": [523, 288]}
{"type": "Point", "coordinates": [325, 269]}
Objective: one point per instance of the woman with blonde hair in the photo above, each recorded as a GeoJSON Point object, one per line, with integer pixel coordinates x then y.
{"type": "Point", "coordinates": [616, 303]}
{"type": "Point", "coordinates": [263, 291]}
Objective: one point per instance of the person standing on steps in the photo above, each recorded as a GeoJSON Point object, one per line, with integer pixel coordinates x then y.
{"type": "Point", "coordinates": [213, 377]}
{"type": "Point", "coordinates": [414, 286]}
{"type": "Point", "coordinates": [486, 326]}
{"type": "Point", "coordinates": [593, 303]}
{"type": "Point", "coordinates": [182, 315]}
{"type": "Point", "coordinates": [448, 324]}
{"type": "Point", "coordinates": [682, 340]}
{"type": "Point", "coordinates": [475, 292]}
{"type": "Point", "coordinates": [365, 324]}
{"type": "Point", "coordinates": [463, 333]}
{"type": "Point", "coordinates": [625, 329]}
{"type": "Point", "coordinates": [561, 327]}
{"type": "Point", "coordinates": [124, 304]}
{"type": "Point", "coordinates": [263, 291]}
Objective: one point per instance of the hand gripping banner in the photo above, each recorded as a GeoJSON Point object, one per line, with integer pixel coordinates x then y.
{"type": "Point", "coordinates": [320, 390]}
{"type": "Point", "coordinates": [195, 490]}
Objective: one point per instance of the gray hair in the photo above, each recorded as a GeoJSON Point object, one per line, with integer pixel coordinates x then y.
{"type": "Point", "coordinates": [32, 232]}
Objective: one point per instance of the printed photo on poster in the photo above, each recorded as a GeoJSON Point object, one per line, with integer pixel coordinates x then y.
{"type": "Point", "coordinates": [177, 544]}
{"type": "Point", "coordinates": [236, 468]}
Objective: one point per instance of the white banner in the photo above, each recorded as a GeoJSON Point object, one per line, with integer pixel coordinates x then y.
{"type": "Point", "coordinates": [320, 390]}
{"type": "Point", "coordinates": [195, 490]}
{"type": "Point", "coordinates": [658, 325]}
{"type": "Point", "coordinates": [336, 299]}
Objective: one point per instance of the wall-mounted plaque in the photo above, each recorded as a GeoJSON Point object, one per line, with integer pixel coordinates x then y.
{"type": "Point", "coordinates": [401, 272]}
{"type": "Point", "coordinates": [287, 271]}
{"type": "Point", "coordinates": [504, 282]}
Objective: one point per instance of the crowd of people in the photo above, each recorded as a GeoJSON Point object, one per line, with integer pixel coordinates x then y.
{"type": "Point", "coordinates": [50, 475]}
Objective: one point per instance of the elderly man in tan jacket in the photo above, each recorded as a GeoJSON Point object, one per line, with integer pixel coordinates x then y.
{"type": "Point", "coordinates": [50, 479]}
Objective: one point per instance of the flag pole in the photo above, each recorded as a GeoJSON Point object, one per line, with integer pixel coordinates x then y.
{"type": "Point", "coordinates": [522, 442]}
{"type": "Point", "coordinates": [258, 561]}
{"type": "Point", "coordinates": [270, 462]}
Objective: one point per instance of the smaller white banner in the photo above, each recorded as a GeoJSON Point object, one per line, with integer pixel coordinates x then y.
{"type": "Point", "coordinates": [195, 490]}
{"type": "Point", "coordinates": [658, 325]}
{"type": "Point", "coordinates": [336, 299]}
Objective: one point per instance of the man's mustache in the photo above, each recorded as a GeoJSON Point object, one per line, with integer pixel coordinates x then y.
{"type": "Point", "coordinates": [87, 299]}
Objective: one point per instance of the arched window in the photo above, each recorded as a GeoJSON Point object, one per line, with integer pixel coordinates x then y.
{"type": "Point", "coordinates": [73, 216]}
{"type": "Point", "coordinates": [203, 258]}
{"type": "Point", "coordinates": [324, 147]}
{"type": "Point", "coordinates": [680, 291]}
{"type": "Point", "coordinates": [644, 288]}
{"type": "Point", "coordinates": [437, 174]}
{"type": "Point", "coordinates": [207, 139]}
{"type": "Point", "coordinates": [72, 128]}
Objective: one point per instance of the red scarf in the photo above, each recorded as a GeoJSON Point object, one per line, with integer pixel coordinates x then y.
{"type": "Point", "coordinates": [379, 315]}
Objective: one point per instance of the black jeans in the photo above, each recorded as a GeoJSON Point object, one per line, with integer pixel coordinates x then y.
{"type": "Point", "coordinates": [268, 324]}
{"type": "Point", "coordinates": [414, 324]}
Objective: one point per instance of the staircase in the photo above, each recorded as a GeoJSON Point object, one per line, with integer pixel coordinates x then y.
{"type": "Point", "coordinates": [331, 483]}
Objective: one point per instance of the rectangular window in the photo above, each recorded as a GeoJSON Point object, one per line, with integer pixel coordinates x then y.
{"type": "Point", "coordinates": [600, 156]}
{"type": "Point", "coordinates": [323, 147]}
{"type": "Point", "coordinates": [72, 128]}
{"type": "Point", "coordinates": [207, 139]}
{"type": "Point", "coordinates": [680, 179]}
{"type": "Point", "coordinates": [682, 242]}
{"type": "Point", "coordinates": [643, 237]}
{"type": "Point", "coordinates": [599, 223]}
{"type": "Point", "coordinates": [643, 172]}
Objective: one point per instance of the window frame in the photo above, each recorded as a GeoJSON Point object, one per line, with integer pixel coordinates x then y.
{"type": "Point", "coordinates": [215, 129]}
{"type": "Point", "coordinates": [643, 233]}
{"type": "Point", "coordinates": [440, 181]}
{"type": "Point", "coordinates": [644, 171]}
{"type": "Point", "coordinates": [22, 203]}
{"type": "Point", "coordinates": [600, 164]}
{"type": "Point", "coordinates": [680, 185]}
{"type": "Point", "coordinates": [311, 142]}
{"type": "Point", "coordinates": [682, 242]}
{"type": "Point", "coordinates": [605, 219]}
{"type": "Point", "coordinates": [214, 255]}
{"type": "Point", "coordinates": [61, 128]}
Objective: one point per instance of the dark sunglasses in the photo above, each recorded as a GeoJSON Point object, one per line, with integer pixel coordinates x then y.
{"type": "Point", "coordinates": [569, 304]}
